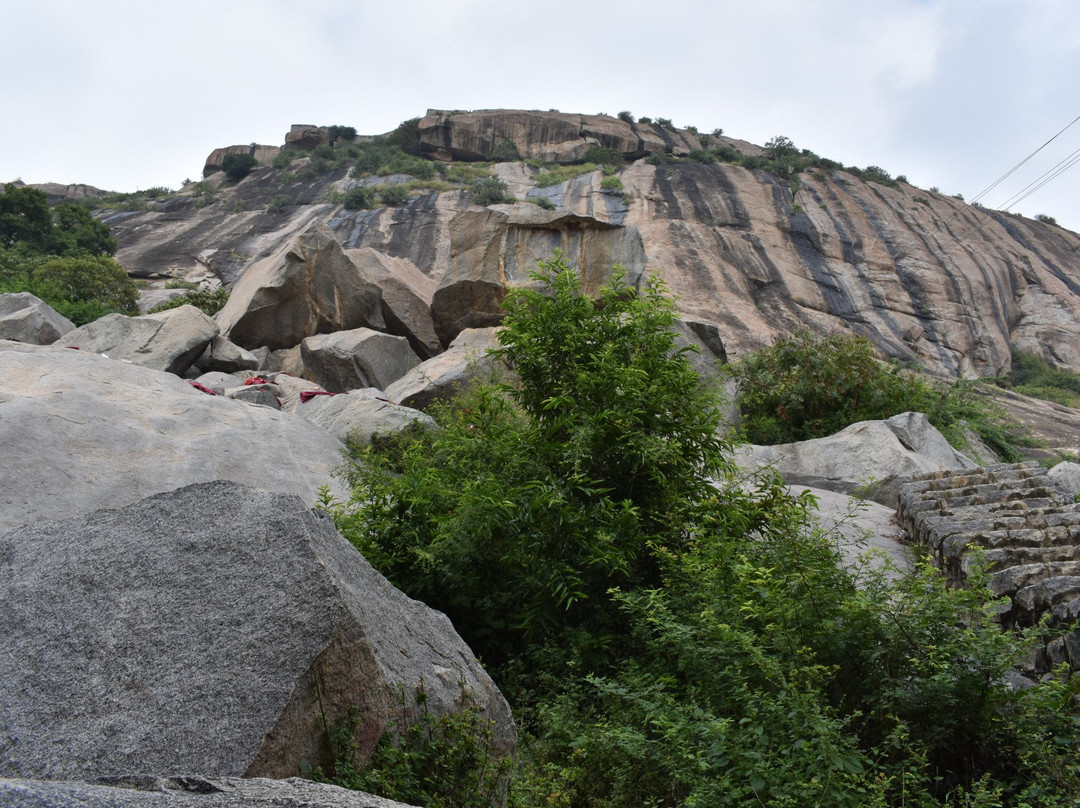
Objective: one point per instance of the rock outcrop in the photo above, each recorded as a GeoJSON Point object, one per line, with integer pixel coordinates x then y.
{"type": "Point", "coordinates": [350, 360]}
{"type": "Point", "coordinates": [926, 277]}
{"type": "Point", "coordinates": [308, 287]}
{"type": "Point", "coordinates": [82, 432]}
{"type": "Point", "coordinates": [444, 376]}
{"type": "Point", "coordinates": [184, 792]}
{"type": "Point", "coordinates": [496, 249]}
{"type": "Point", "coordinates": [213, 629]}
{"type": "Point", "coordinates": [27, 318]}
{"type": "Point", "coordinates": [264, 154]}
{"type": "Point", "coordinates": [169, 340]}
{"type": "Point", "coordinates": [869, 457]}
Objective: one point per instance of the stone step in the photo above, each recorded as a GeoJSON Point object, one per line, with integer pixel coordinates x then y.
{"type": "Point", "coordinates": [1033, 600]}
{"type": "Point", "coordinates": [1003, 557]}
{"type": "Point", "coordinates": [1010, 581]}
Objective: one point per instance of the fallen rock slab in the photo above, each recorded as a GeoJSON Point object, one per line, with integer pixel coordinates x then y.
{"type": "Point", "coordinates": [224, 356]}
{"type": "Point", "coordinates": [81, 432]}
{"type": "Point", "coordinates": [350, 360]}
{"type": "Point", "coordinates": [28, 318]}
{"type": "Point", "coordinates": [185, 792]}
{"type": "Point", "coordinates": [444, 376]}
{"type": "Point", "coordinates": [868, 457]}
{"type": "Point", "coordinates": [216, 629]}
{"type": "Point", "coordinates": [169, 340]}
{"type": "Point", "coordinates": [360, 415]}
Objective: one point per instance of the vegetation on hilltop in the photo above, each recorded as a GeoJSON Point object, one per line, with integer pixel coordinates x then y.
{"type": "Point", "coordinates": [668, 634]}
{"type": "Point", "coordinates": [63, 255]}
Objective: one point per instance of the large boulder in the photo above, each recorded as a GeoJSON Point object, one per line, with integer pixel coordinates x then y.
{"type": "Point", "coordinates": [309, 286]}
{"type": "Point", "coordinates": [81, 432]}
{"type": "Point", "coordinates": [444, 376]}
{"type": "Point", "coordinates": [169, 340]}
{"type": "Point", "coordinates": [185, 792]}
{"type": "Point", "coordinates": [869, 457]}
{"type": "Point", "coordinates": [496, 249]}
{"type": "Point", "coordinates": [361, 415]}
{"type": "Point", "coordinates": [350, 360]}
{"type": "Point", "coordinates": [406, 297]}
{"type": "Point", "coordinates": [28, 318]}
{"type": "Point", "coordinates": [226, 357]}
{"type": "Point", "coordinates": [214, 629]}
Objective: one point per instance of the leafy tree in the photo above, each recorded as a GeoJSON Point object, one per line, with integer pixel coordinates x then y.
{"type": "Point", "coordinates": [779, 146]}
{"type": "Point", "coordinates": [407, 137]}
{"type": "Point", "coordinates": [337, 132]}
{"type": "Point", "coordinates": [238, 166]}
{"type": "Point", "coordinates": [25, 219]}
{"type": "Point", "coordinates": [358, 197]}
{"type": "Point", "coordinates": [489, 191]}
{"type": "Point", "coordinates": [76, 232]}
{"type": "Point", "coordinates": [82, 288]}
{"type": "Point", "coordinates": [210, 302]}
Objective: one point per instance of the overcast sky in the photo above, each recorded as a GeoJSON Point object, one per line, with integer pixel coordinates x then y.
{"type": "Point", "coordinates": [129, 94]}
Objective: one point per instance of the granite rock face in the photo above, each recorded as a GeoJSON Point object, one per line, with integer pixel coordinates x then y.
{"type": "Point", "coordinates": [308, 287]}
{"type": "Point", "coordinates": [82, 432]}
{"type": "Point", "coordinates": [350, 360]}
{"type": "Point", "coordinates": [169, 340]}
{"type": "Point", "coordinates": [28, 318]}
{"type": "Point", "coordinates": [214, 629]}
{"type": "Point", "coordinates": [184, 792]}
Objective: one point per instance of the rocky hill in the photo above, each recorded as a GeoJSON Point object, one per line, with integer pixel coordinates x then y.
{"type": "Point", "coordinates": [927, 277]}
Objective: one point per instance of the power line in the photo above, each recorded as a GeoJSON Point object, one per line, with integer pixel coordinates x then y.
{"type": "Point", "coordinates": [1012, 170]}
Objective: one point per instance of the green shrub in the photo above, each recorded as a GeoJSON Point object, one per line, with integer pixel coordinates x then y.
{"type": "Point", "coordinates": [337, 132]}
{"type": "Point", "coordinates": [554, 175]}
{"type": "Point", "coordinates": [779, 146]}
{"type": "Point", "coordinates": [611, 184]}
{"type": "Point", "coordinates": [393, 195]}
{"type": "Point", "coordinates": [489, 191]}
{"type": "Point", "coordinates": [358, 197]}
{"type": "Point", "coordinates": [701, 156]}
{"type": "Point", "coordinates": [238, 166]}
{"type": "Point", "coordinates": [279, 203]}
{"type": "Point", "coordinates": [1032, 376]}
{"type": "Point", "coordinates": [659, 158]}
{"type": "Point", "coordinates": [209, 302]}
{"type": "Point", "coordinates": [626, 116]}
{"type": "Point", "coordinates": [284, 158]}
{"type": "Point", "coordinates": [802, 388]}
{"type": "Point", "coordinates": [407, 137]}
{"type": "Point", "coordinates": [665, 123]}
{"type": "Point", "coordinates": [82, 288]}
{"type": "Point", "coordinates": [603, 156]}
{"type": "Point", "coordinates": [542, 202]}
{"type": "Point", "coordinates": [1045, 219]}
{"type": "Point", "coordinates": [504, 151]}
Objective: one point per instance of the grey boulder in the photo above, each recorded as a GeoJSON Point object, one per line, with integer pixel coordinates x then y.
{"type": "Point", "coordinates": [81, 432]}
{"type": "Point", "coordinates": [169, 340]}
{"type": "Point", "coordinates": [868, 457]}
{"type": "Point", "coordinates": [350, 360]}
{"type": "Point", "coordinates": [214, 629]}
{"type": "Point", "coordinates": [28, 318]}
{"type": "Point", "coordinates": [360, 415]}
{"type": "Point", "coordinates": [447, 374]}
{"type": "Point", "coordinates": [184, 792]}
{"type": "Point", "coordinates": [224, 356]}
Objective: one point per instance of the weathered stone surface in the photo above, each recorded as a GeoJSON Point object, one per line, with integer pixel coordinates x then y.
{"type": "Point", "coordinates": [495, 249]}
{"type": "Point", "coordinates": [28, 318]}
{"type": "Point", "coordinates": [307, 137]}
{"type": "Point", "coordinates": [730, 243]}
{"type": "Point", "coordinates": [213, 629]}
{"type": "Point", "coordinates": [169, 340]}
{"type": "Point", "coordinates": [82, 432]}
{"type": "Point", "coordinates": [868, 457]}
{"type": "Point", "coordinates": [444, 376]}
{"type": "Point", "coordinates": [225, 356]}
{"type": "Point", "coordinates": [1066, 477]}
{"type": "Point", "coordinates": [148, 298]}
{"type": "Point", "coordinates": [219, 382]}
{"type": "Point", "coordinates": [549, 136]}
{"type": "Point", "coordinates": [349, 360]}
{"type": "Point", "coordinates": [860, 529]}
{"type": "Point", "coordinates": [308, 287]}
{"type": "Point", "coordinates": [185, 792]}
{"type": "Point", "coordinates": [216, 159]}
{"type": "Point", "coordinates": [406, 297]}
{"type": "Point", "coordinates": [359, 414]}
{"type": "Point", "coordinates": [262, 394]}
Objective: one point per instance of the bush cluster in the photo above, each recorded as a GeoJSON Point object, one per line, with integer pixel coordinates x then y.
{"type": "Point", "coordinates": [210, 302]}
{"type": "Point", "coordinates": [238, 166]}
{"type": "Point", "coordinates": [1032, 375]}
{"type": "Point", "coordinates": [802, 387]}
{"type": "Point", "coordinates": [489, 191]}
{"type": "Point", "coordinates": [667, 634]}
{"type": "Point", "coordinates": [63, 255]}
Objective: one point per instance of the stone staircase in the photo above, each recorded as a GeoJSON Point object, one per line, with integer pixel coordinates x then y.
{"type": "Point", "coordinates": [1026, 531]}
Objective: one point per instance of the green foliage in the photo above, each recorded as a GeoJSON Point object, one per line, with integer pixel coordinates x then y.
{"type": "Point", "coordinates": [82, 288]}
{"type": "Point", "coordinates": [283, 159]}
{"type": "Point", "coordinates": [1046, 219]}
{"type": "Point", "coordinates": [407, 137]}
{"type": "Point", "coordinates": [670, 635]}
{"type": "Point", "coordinates": [780, 146]}
{"type": "Point", "coordinates": [238, 166]}
{"type": "Point", "coordinates": [210, 302]}
{"type": "Point", "coordinates": [444, 761]}
{"type": "Point", "coordinates": [665, 123]}
{"type": "Point", "coordinates": [603, 156]}
{"type": "Point", "coordinates": [504, 151]}
{"type": "Point", "coordinates": [383, 158]}
{"type": "Point", "coordinates": [556, 174]}
{"type": "Point", "coordinates": [279, 203]}
{"type": "Point", "coordinates": [1032, 376]}
{"type": "Point", "coordinates": [27, 223]}
{"type": "Point", "coordinates": [542, 202]}
{"type": "Point", "coordinates": [659, 158]}
{"type": "Point", "coordinates": [611, 183]}
{"type": "Point", "coordinates": [358, 197]}
{"type": "Point", "coordinates": [76, 232]}
{"type": "Point", "coordinates": [338, 132]}
{"type": "Point", "coordinates": [701, 156]}
{"type": "Point", "coordinates": [489, 191]}
{"type": "Point", "coordinates": [802, 388]}
{"type": "Point", "coordinates": [626, 116]}
{"type": "Point", "coordinates": [393, 195]}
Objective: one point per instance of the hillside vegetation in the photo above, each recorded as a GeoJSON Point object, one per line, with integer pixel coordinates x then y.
{"type": "Point", "coordinates": [668, 634]}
